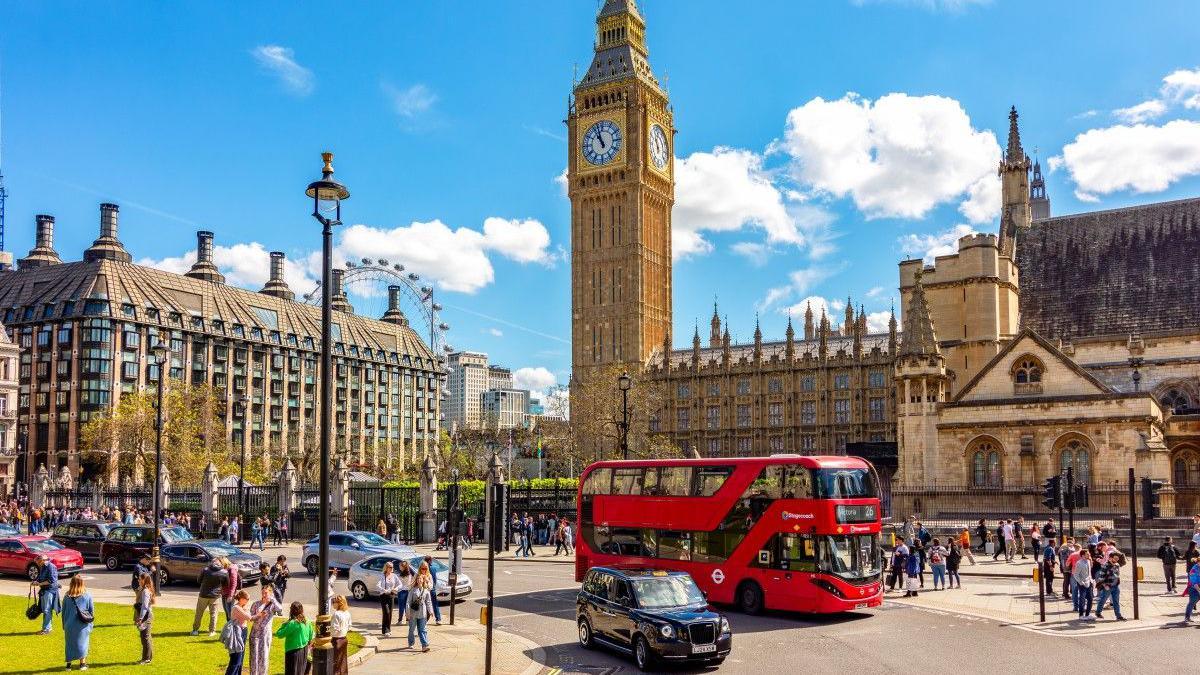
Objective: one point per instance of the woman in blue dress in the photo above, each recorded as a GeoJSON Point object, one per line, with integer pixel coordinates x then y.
{"type": "Point", "coordinates": [77, 617]}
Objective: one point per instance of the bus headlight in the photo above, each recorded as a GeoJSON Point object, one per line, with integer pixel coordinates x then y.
{"type": "Point", "coordinates": [725, 626]}
{"type": "Point", "coordinates": [667, 631]}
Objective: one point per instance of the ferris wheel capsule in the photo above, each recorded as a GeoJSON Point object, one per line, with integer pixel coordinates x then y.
{"type": "Point", "coordinates": [350, 264]}
{"type": "Point", "coordinates": [414, 276]}
{"type": "Point", "coordinates": [437, 307]}
{"type": "Point", "coordinates": [366, 261]}
{"type": "Point", "coordinates": [382, 262]}
{"type": "Point", "coordinates": [444, 326]}
{"type": "Point", "coordinates": [398, 267]}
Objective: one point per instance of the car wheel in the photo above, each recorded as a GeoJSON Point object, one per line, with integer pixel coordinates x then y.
{"type": "Point", "coordinates": [642, 654]}
{"type": "Point", "coordinates": [359, 590]}
{"type": "Point", "coordinates": [311, 565]}
{"type": "Point", "coordinates": [750, 598]}
{"type": "Point", "coordinates": [164, 577]}
{"type": "Point", "coordinates": [112, 563]}
{"type": "Point", "coordinates": [585, 634]}
{"type": "Point", "coordinates": [32, 571]}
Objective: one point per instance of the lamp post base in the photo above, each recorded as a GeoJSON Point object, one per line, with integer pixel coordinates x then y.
{"type": "Point", "coordinates": [322, 652]}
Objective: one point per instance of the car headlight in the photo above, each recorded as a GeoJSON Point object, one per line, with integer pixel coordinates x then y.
{"type": "Point", "coordinates": [667, 631]}
{"type": "Point", "coordinates": [725, 626]}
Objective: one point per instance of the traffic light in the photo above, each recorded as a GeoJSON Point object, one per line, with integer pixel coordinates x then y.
{"type": "Point", "coordinates": [1081, 496]}
{"type": "Point", "coordinates": [1053, 493]}
{"type": "Point", "coordinates": [1150, 506]}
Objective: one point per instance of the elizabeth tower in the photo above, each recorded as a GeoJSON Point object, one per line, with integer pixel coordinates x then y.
{"type": "Point", "coordinates": [620, 181]}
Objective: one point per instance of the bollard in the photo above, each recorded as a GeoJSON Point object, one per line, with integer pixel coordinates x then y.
{"type": "Point", "coordinates": [1037, 579]}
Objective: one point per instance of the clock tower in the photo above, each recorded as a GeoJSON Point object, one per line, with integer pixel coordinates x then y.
{"type": "Point", "coordinates": [620, 167]}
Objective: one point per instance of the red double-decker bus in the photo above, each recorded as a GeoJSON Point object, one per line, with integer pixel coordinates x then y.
{"type": "Point", "coordinates": [787, 532]}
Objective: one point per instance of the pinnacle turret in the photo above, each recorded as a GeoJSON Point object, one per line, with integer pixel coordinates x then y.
{"type": "Point", "coordinates": [919, 338]}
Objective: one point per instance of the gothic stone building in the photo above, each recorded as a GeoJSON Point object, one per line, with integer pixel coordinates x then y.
{"type": "Point", "coordinates": [1070, 341]}
{"type": "Point", "coordinates": [85, 330]}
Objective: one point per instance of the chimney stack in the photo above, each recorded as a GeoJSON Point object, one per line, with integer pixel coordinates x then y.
{"type": "Point", "coordinates": [43, 252]}
{"type": "Point", "coordinates": [276, 286]}
{"type": "Point", "coordinates": [108, 246]}
{"type": "Point", "coordinates": [340, 302]}
{"type": "Point", "coordinates": [204, 268]}
{"type": "Point", "coordinates": [393, 313]}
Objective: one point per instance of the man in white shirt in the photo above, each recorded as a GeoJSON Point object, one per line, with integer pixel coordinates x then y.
{"type": "Point", "coordinates": [1009, 543]}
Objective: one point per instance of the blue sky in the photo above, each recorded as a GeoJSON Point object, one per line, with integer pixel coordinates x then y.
{"type": "Point", "coordinates": [446, 119]}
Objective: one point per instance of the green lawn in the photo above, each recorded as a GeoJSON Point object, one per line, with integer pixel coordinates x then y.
{"type": "Point", "coordinates": [115, 647]}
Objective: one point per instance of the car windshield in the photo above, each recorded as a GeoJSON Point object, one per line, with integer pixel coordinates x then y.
{"type": "Point", "coordinates": [435, 567]}
{"type": "Point", "coordinates": [42, 545]}
{"type": "Point", "coordinates": [661, 592]}
{"type": "Point", "coordinates": [172, 535]}
{"type": "Point", "coordinates": [373, 539]}
{"type": "Point", "coordinates": [219, 548]}
{"type": "Point", "coordinates": [843, 483]}
{"type": "Point", "coordinates": [854, 557]}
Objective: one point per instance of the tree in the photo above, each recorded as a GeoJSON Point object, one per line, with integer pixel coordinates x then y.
{"type": "Point", "coordinates": [595, 416]}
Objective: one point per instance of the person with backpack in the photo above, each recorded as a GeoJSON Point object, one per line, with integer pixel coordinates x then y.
{"type": "Point", "coordinates": [1169, 555]}
{"type": "Point", "coordinates": [953, 558]}
{"type": "Point", "coordinates": [419, 608]}
{"type": "Point", "coordinates": [1109, 583]}
{"type": "Point", "coordinates": [937, 563]}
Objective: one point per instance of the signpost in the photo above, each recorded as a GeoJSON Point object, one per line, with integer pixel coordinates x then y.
{"type": "Point", "coordinates": [1133, 542]}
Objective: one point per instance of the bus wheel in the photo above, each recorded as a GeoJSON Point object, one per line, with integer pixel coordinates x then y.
{"type": "Point", "coordinates": [749, 598]}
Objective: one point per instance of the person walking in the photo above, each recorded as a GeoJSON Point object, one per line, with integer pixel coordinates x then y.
{"type": "Point", "coordinates": [981, 531]}
{"type": "Point", "coordinates": [1035, 538]}
{"type": "Point", "coordinates": [233, 635]}
{"type": "Point", "coordinates": [919, 552]}
{"type": "Point", "coordinates": [420, 607]}
{"type": "Point", "coordinates": [230, 587]}
{"type": "Point", "coordinates": [143, 617]}
{"type": "Point", "coordinates": [339, 626]}
{"type": "Point", "coordinates": [47, 588]}
{"type": "Point", "coordinates": [388, 587]}
{"type": "Point", "coordinates": [1193, 588]}
{"type": "Point", "coordinates": [953, 559]}
{"type": "Point", "coordinates": [406, 574]}
{"type": "Point", "coordinates": [1109, 583]}
{"type": "Point", "coordinates": [255, 530]}
{"type": "Point", "coordinates": [280, 573]}
{"type": "Point", "coordinates": [1169, 555]}
{"type": "Point", "coordinates": [937, 563]}
{"type": "Point", "coordinates": [297, 634]}
{"type": "Point", "coordinates": [560, 537]}
{"type": "Point", "coordinates": [569, 536]}
{"type": "Point", "coordinates": [259, 643]}
{"type": "Point", "coordinates": [1082, 585]}
{"type": "Point", "coordinates": [77, 618]}
{"type": "Point", "coordinates": [437, 610]}
{"type": "Point", "coordinates": [212, 579]}
{"type": "Point", "coordinates": [899, 562]}
{"type": "Point", "coordinates": [999, 547]}
{"type": "Point", "coordinates": [277, 528]}
{"type": "Point", "coordinates": [964, 540]}
{"type": "Point", "coordinates": [1049, 557]}
{"type": "Point", "coordinates": [1009, 531]}
{"type": "Point", "coordinates": [912, 568]}
{"type": "Point", "coordinates": [1064, 554]}
{"type": "Point", "coordinates": [1018, 527]}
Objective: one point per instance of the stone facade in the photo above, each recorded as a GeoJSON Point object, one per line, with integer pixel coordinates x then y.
{"type": "Point", "coordinates": [10, 465]}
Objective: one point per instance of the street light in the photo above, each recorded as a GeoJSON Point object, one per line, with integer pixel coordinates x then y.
{"type": "Point", "coordinates": [624, 382]}
{"type": "Point", "coordinates": [247, 419]}
{"type": "Point", "coordinates": [161, 355]}
{"type": "Point", "coordinates": [495, 527]}
{"type": "Point", "coordinates": [327, 195]}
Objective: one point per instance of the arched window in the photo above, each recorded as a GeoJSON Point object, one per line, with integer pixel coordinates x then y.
{"type": "Point", "coordinates": [986, 468]}
{"type": "Point", "coordinates": [1185, 467]}
{"type": "Point", "coordinates": [1027, 370]}
{"type": "Point", "coordinates": [1077, 455]}
{"type": "Point", "coordinates": [1175, 400]}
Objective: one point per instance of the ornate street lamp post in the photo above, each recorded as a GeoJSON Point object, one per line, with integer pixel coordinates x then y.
{"type": "Point", "coordinates": [496, 525]}
{"type": "Point", "coordinates": [162, 356]}
{"type": "Point", "coordinates": [327, 195]}
{"type": "Point", "coordinates": [624, 382]}
{"type": "Point", "coordinates": [247, 423]}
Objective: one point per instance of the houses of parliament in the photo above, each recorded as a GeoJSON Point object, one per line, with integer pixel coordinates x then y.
{"type": "Point", "coordinates": [1059, 341]}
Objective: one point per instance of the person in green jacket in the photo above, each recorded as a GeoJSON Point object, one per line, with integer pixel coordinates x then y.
{"type": "Point", "coordinates": [297, 634]}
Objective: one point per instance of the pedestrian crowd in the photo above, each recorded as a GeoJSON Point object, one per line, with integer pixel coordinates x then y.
{"type": "Point", "coordinates": [544, 529]}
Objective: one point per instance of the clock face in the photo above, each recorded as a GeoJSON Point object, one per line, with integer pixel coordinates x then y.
{"type": "Point", "coordinates": [601, 142]}
{"type": "Point", "coordinates": [658, 146]}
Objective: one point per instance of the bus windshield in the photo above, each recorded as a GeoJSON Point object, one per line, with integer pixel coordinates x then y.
{"type": "Point", "coordinates": [851, 557]}
{"type": "Point", "coordinates": [843, 483]}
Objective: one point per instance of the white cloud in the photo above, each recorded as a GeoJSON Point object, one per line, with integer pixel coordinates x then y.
{"type": "Point", "coordinates": [898, 156]}
{"type": "Point", "coordinates": [929, 246]}
{"type": "Point", "coordinates": [561, 181]}
{"type": "Point", "coordinates": [1146, 110]}
{"type": "Point", "coordinates": [756, 252]}
{"type": "Point", "coordinates": [536, 379]}
{"type": "Point", "coordinates": [410, 102]}
{"type": "Point", "coordinates": [952, 6]}
{"type": "Point", "coordinates": [1141, 158]}
{"type": "Point", "coordinates": [1183, 86]}
{"type": "Point", "coordinates": [247, 265]}
{"type": "Point", "coordinates": [875, 292]}
{"type": "Point", "coordinates": [455, 259]}
{"type": "Point", "coordinates": [495, 332]}
{"type": "Point", "coordinates": [723, 191]}
{"type": "Point", "coordinates": [281, 62]}
{"type": "Point", "coordinates": [877, 322]}
{"type": "Point", "coordinates": [800, 282]}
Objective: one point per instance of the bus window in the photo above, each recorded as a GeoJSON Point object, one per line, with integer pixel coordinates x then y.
{"type": "Point", "coordinates": [650, 542]}
{"type": "Point", "coordinates": [627, 482]}
{"type": "Point", "coordinates": [714, 546]}
{"type": "Point", "coordinates": [709, 479]}
{"type": "Point", "coordinates": [675, 481]}
{"type": "Point", "coordinates": [675, 545]}
{"type": "Point", "coordinates": [769, 484]}
{"type": "Point", "coordinates": [650, 481]}
{"type": "Point", "coordinates": [796, 553]}
{"type": "Point", "coordinates": [625, 541]}
{"type": "Point", "coordinates": [597, 482]}
{"type": "Point", "coordinates": [797, 483]}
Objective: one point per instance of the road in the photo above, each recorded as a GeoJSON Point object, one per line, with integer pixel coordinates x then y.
{"type": "Point", "coordinates": [536, 600]}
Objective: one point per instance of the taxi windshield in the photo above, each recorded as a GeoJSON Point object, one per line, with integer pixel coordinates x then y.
{"type": "Point", "coordinates": [668, 591]}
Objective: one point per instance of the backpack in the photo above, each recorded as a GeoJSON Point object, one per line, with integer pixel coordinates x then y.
{"type": "Point", "coordinates": [935, 557]}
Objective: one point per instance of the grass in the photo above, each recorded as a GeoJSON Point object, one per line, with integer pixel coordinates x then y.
{"type": "Point", "coordinates": [115, 647]}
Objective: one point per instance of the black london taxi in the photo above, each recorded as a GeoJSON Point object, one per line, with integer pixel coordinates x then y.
{"type": "Point", "coordinates": [655, 615]}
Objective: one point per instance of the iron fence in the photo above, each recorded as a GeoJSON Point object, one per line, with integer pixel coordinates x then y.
{"type": "Point", "coordinates": [251, 500]}
{"type": "Point", "coordinates": [958, 506]}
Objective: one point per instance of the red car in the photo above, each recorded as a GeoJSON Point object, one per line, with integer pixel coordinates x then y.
{"type": "Point", "coordinates": [18, 555]}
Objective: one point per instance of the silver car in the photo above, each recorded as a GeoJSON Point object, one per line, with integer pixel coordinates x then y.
{"type": "Point", "coordinates": [365, 575]}
{"type": "Point", "coordinates": [347, 548]}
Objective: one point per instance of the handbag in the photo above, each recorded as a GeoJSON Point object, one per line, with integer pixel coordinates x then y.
{"type": "Point", "coordinates": [34, 610]}
{"type": "Point", "coordinates": [232, 638]}
{"type": "Point", "coordinates": [84, 615]}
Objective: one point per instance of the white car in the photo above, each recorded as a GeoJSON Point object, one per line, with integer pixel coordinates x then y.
{"type": "Point", "coordinates": [365, 575]}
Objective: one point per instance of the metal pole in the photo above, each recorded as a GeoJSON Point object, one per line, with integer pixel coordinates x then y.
{"type": "Point", "coordinates": [154, 560]}
{"type": "Point", "coordinates": [323, 643]}
{"type": "Point", "coordinates": [242, 475]}
{"type": "Point", "coordinates": [1071, 493]}
{"type": "Point", "coordinates": [1038, 578]}
{"type": "Point", "coordinates": [495, 524]}
{"type": "Point", "coordinates": [625, 424]}
{"type": "Point", "coordinates": [452, 536]}
{"type": "Point", "coordinates": [1133, 542]}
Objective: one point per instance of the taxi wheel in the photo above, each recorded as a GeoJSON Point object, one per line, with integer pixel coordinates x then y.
{"type": "Point", "coordinates": [750, 598]}
{"type": "Point", "coordinates": [112, 563]}
{"type": "Point", "coordinates": [585, 634]}
{"type": "Point", "coordinates": [642, 654]}
{"type": "Point", "coordinates": [164, 577]}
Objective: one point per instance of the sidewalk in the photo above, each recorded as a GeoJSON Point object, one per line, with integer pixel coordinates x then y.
{"type": "Point", "coordinates": [1152, 571]}
{"type": "Point", "coordinates": [543, 554]}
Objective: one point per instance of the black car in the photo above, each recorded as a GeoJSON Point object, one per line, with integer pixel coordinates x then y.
{"type": "Point", "coordinates": [186, 560]}
{"type": "Point", "coordinates": [655, 615]}
{"type": "Point", "coordinates": [84, 536]}
{"type": "Point", "coordinates": [126, 543]}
